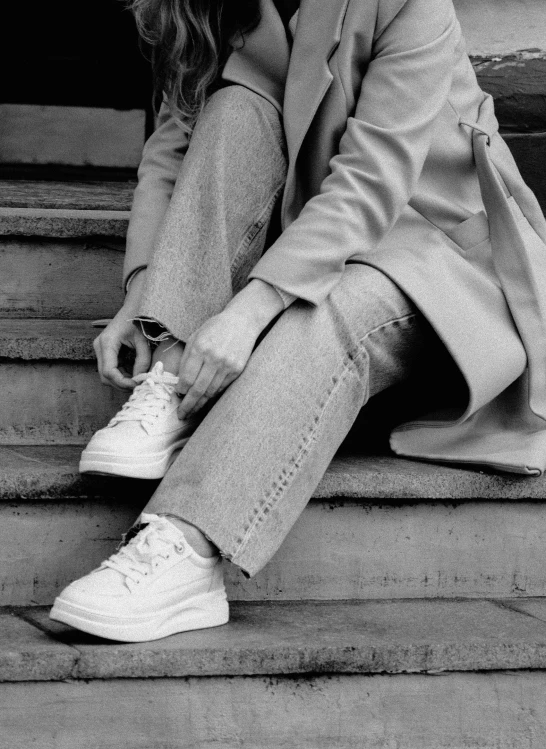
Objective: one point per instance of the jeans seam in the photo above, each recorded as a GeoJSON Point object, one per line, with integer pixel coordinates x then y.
{"type": "Point", "coordinates": [401, 318]}
{"type": "Point", "coordinates": [283, 482]}
{"type": "Point", "coordinates": [253, 230]}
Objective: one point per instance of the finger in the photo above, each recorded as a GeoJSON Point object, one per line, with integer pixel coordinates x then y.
{"type": "Point", "coordinates": [197, 391]}
{"type": "Point", "coordinates": [216, 386]}
{"type": "Point", "coordinates": [189, 369]}
{"type": "Point", "coordinates": [214, 389]}
{"type": "Point", "coordinates": [111, 375]}
{"type": "Point", "coordinates": [200, 403]}
{"type": "Point", "coordinates": [143, 355]}
{"type": "Point", "coordinates": [228, 379]}
{"type": "Point", "coordinates": [98, 354]}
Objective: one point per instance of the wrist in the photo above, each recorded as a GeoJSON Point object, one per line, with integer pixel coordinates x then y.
{"type": "Point", "coordinates": [135, 288]}
{"type": "Point", "coordinates": [258, 303]}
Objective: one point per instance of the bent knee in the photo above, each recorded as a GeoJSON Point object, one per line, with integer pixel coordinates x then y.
{"type": "Point", "coordinates": [236, 106]}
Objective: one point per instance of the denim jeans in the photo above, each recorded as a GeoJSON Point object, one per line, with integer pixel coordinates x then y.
{"type": "Point", "coordinates": [256, 458]}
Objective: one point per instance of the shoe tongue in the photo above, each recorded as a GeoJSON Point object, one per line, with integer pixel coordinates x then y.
{"type": "Point", "coordinates": [158, 374]}
{"type": "Point", "coordinates": [169, 530]}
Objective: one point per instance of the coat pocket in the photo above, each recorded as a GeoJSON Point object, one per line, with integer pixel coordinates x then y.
{"type": "Point", "coordinates": [472, 237]}
{"type": "Point", "coordinates": [471, 232]}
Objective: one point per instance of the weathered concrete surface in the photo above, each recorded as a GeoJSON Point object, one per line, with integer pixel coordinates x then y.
{"type": "Point", "coordinates": [499, 27]}
{"type": "Point", "coordinates": [455, 711]}
{"type": "Point", "coordinates": [516, 82]}
{"type": "Point", "coordinates": [451, 711]}
{"type": "Point", "coordinates": [60, 278]}
{"type": "Point", "coordinates": [27, 654]}
{"type": "Point", "coordinates": [53, 402]}
{"type": "Point", "coordinates": [264, 688]}
{"type": "Point", "coordinates": [385, 477]}
{"type": "Point", "coordinates": [45, 222]}
{"type": "Point", "coordinates": [96, 196]}
{"type": "Point", "coordinates": [321, 637]}
{"type": "Point", "coordinates": [43, 472]}
{"type": "Point", "coordinates": [535, 607]}
{"type": "Point", "coordinates": [47, 339]}
{"type": "Point", "coordinates": [425, 550]}
{"type": "Point", "coordinates": [346, 550]}
{"type": "Point", "coordinates": [56, 524]}
{"type": "Point", "coordinates": [44, 547]}
{"type": "Point", "coordinates": [90, 136]}
{"type": "Point", "coordinates": [361, 477]}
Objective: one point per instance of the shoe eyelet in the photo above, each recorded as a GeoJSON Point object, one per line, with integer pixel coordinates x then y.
{"type": "Point", "coordinates": [179, 548]}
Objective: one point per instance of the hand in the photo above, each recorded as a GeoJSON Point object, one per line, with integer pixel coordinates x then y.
{"type": "Point", "coordinates": [121, 331]}
{"type": "Point", "coordinates": [217, 353]}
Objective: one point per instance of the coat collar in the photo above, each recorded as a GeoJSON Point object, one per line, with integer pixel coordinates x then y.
{"type": "Point", "coordinates": [264, 62]}
{"type": "Point", "coordinates": [260, 62]}
{"type": "Point", "coordinates": [318, 33]}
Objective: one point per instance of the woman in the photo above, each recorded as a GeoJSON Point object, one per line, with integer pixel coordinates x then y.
{"type": "Point", "coordinates": [409, 247]}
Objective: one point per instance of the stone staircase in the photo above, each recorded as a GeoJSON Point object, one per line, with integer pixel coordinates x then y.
{"type": "Point", "coordinates": [406, 609]}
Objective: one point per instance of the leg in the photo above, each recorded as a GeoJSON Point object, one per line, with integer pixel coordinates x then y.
{"type": "Point", "coordinates": [253, 463]}
{"type": "Point", "coordinates": [216, 225]}
{"type": "Point", "coordinates": [213, 234]}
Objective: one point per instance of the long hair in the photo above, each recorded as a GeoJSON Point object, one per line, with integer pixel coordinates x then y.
{"type": "Point", "coordinates": [189, 41]}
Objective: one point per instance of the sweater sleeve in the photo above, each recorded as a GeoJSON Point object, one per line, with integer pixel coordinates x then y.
{"type": "Point", "coordinates": [157, 173]}
{"type": "Point", "coordinates": [381, 154]}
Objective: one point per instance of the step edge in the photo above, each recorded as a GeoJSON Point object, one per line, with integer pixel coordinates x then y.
{"type": "Point", "coordinates": [51, 222]}
{"type": "Point", "coordinates": [32, 339]}
{"type": "Point", "coordinates": [46, 482]}
{"type": "Point", "coordinates": [431, 653]}
{"type": "Point", "coordinates": [63, 213]}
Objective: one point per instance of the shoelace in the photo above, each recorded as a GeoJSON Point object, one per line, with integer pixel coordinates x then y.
{"type": "Point", "coordinates": [148, 399]}
{"type": "Point", "coordinates": [140, 556]}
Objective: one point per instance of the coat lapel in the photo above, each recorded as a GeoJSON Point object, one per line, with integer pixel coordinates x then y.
{"type": "Point", "coordinates": [260, 62]}
{"type": "Point", "coordinates": [317, 35]}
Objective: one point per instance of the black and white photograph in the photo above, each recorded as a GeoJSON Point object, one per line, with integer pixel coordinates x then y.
{"type": "Point", "coordinates": [273, 374]}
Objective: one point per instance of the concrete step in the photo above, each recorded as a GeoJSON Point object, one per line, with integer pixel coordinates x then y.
{"type": "Point", "coordinates": [59, 278]}
{"type": "Point", "coordinates": [48, 377]}
{"type": "Point", "coordinates": [53, 222]}
{"type": "Point", "coordinates": [98, 196]}
{"type": "Point", "coordinates": [377, 527]}
{"type": "Point", "coordinates": [331, 675]}
{"type": "Point", "coordinates": [498, 27]}
{"type": "Point", "coordinates": [64, 209]}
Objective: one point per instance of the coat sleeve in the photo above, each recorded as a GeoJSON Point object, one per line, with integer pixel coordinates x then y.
{"type": "Point", "coordinates": [157, 173]}
{"type": "Point", "coordinates": [381, 154]}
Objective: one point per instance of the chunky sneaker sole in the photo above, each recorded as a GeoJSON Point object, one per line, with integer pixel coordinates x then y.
{"type": "Point", "coordinates": [151, 466]}
{"type": "Point", "coordinates": [199, 612]}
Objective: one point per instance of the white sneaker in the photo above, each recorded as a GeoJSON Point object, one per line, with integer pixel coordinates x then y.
{"type": "Point", "coordinates": [152, 587]}
{"type": "Point", "coordinates": [144, 437]}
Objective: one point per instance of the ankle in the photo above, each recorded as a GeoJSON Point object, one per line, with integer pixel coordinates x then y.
{"type": "Point", "coordinates": [169, 353]}
{"type": "Point", "coordinates": [196, 539]}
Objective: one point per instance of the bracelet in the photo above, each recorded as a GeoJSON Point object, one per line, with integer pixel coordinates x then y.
{"type": "Point", "coordinates": [131, 276]}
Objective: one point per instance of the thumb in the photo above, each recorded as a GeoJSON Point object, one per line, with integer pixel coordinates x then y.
{"type": "Point", "coordinates": [143, 355]}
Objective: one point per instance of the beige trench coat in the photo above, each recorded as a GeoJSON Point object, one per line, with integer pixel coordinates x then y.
{"type": "Point", "coordinates": [395, 161]}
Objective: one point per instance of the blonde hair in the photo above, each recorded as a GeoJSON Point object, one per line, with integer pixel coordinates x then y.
{"type": "Point", "coordinates": [189, 39]}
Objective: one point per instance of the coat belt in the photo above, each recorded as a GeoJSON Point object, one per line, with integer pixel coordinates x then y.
{"type": "Point", "coordinates": [519, 252]}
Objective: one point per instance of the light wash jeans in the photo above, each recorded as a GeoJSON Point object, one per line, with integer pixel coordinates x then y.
{"type": "Point", "coordinates": [252, 465]}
